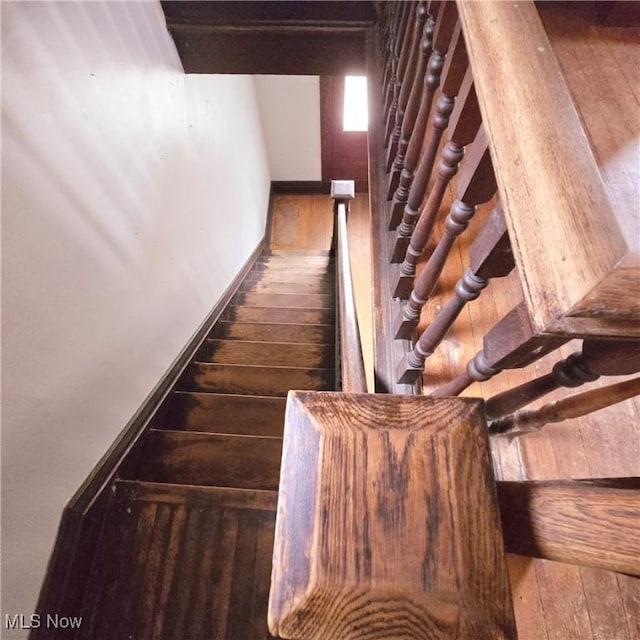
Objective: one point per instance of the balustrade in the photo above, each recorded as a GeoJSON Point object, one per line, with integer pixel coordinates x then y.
{"type": "Point", "coordinates": [511, 344]}
{"type": "Point", "coordinates": [414, 230]}
{"type": "Point", "coordinates": [476, 185]}
{"type": "Point", "coordinates": [411, 112]}
{"type": "Point", "coordinates": [389, 42]}
{"type": "Point", "coordinates": [551, 312]}
{"type": "Point", "coordinates": [575, 291]}
{"type": "Point", "coordinates": [419, 163]}
{"type": "Point", "coordinates": [576, 406]}
{"type": "Point", "coordinates": [597, 358]}
{"type": "Point", "coordinates": [396, 63]}
{"type": "Point", "coordinates": [405, 81]}
{"type": "Point", "coordinates": [434, 45]}
{"type": "Point", "coordinates": [490, 257]}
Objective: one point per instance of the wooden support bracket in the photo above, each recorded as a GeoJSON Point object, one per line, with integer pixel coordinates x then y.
{"type": "Point", "coordinates": [592, 523]}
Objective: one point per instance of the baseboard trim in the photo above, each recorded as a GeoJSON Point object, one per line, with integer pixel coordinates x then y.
{"type": "Point", "coordinates": [301, 187]}
{"type": "Point", "coordinates": [87, 506]}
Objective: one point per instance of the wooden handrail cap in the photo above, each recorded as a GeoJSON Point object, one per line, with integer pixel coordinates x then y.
{"type": "Point", "coordinates": [387, 523]}
{"type": "Point", "coordinates": [343, 189]}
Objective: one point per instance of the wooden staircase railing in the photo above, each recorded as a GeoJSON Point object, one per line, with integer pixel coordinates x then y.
{"type": "Point", "coordinates": [351, 362]}
{"type": "Point", "coordinates": [513, 126]}
{"type": "Point", "coordinates": [581, 404]}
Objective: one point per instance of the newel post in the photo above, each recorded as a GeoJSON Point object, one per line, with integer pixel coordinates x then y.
{"type": "Point", "coordinates": [342, 192]}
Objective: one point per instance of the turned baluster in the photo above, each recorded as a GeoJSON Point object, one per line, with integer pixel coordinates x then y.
{"type": "Point", "coordinates": [413, 104]}
{"type": "Point", "coordinates": [597, 358]}
{"type": "Point", "coordinates": [489, 257]}
{"type": "Point", "coordinates": [387, 29]}
{"type": "Point", "coordinates": [386, 12]}
{"type": "Point", "coordinates": [409, 242]}
{"type": "Point", "coordinates": [511, 344]}
{"type": "Point", "coordinates": [403, 41]}
{"type": "Point", "coordinates": [406, 82]}
{"type": "Point", "coordinates": [392, 52]}
{"type": "Point", "coordinates": [581, 404]}
{"type": "Point", "coordinates": [412, 187]}
{"type": "Point", "coordinates": [476, 185]}
{"type": "Point", "coordinates": [423, 92]}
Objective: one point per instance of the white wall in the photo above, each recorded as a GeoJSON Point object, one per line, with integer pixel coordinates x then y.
{"type": "Point", "coordinates": [290, 112]}
{"type": "Point", "coordinates": [131, 196]}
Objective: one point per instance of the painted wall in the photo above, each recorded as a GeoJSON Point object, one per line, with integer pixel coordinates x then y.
{"type": "Point", "coordinates": [290, 112]}
{"type": "Point", "coordinates": [131, 196]}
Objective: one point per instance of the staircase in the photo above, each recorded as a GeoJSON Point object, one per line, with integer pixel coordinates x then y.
{"type": "Point", "coordinates": [187, 546]}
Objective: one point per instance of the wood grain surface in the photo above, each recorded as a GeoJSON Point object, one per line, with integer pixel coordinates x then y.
{"type": "Point", "coordinates": [253, 380]}
{"type": "Point", "coordinates": [579, 271]}
{"type": "Point", "coordinates": [225, 413]}
{"type": "Point", "coordinates": [181, 562]}
{"type": "Point", "coordinates": [208, 459]}
{"type": "Point", "coordinates": [387, 522]}
{"type": "Point", "coordinates": [274, 332]}
{"type": "Point", "coordinates": [577, 522]}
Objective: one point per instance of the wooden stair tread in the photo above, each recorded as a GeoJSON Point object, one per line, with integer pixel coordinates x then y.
{"type": "Point", "coordinates": [286, 354]}
{"type": "Point", "coordinates": [273, 332]}
{"type": "Point", "coordinates": [181, 562]}
{"type": "Point", "coordinates": [285, 267]}
{"type": "Point", "coordinates": [297, 258]}
{"type": "Point", "coordinates": [293, 277]}
{"type": "Point", "coordinates": [308, 300]}
{"type": "Point", "coordinates": [262, 286]}
{"type": "Point", "coordinates": [288, 266]}
{"type": "Point", "coordinates": [282, 315]}
{"type": "Point", "coordinates": [319, 265]}
{"type": "Point", "coordinates": [288, 253]}
{"type": "Point", "coordinates": [226, 413]}
{"type": "Point", "coordinates": [253, 379]}
{"type": "Point", "coordinates": [210, 459]}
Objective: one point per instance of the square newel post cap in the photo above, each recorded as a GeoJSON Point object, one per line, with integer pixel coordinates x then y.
{"type": "Point", "coordinates": [343, 189]}
{"type": "Point", "coordinates": [387, 524]}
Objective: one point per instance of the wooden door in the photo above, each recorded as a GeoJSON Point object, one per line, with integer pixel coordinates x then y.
{"type": "Point", "coordinates": [344, 153]}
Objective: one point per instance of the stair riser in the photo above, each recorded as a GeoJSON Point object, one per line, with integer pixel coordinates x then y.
{"type": "Point", "coordinates": [280, 315]}
{"type": "Point", "coordinates": [264, 381]}
{"type": "Point", "coordinates": [268, 332]}
{"type": "Point", "coordinates": [254, 416]}
{"type": "Point", "coordinates": [266, 354]}
{"type": "Point", "coordinates": [211, 460]}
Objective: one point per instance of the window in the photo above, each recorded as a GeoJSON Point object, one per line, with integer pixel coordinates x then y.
{"type": "Point", "coordinates": [355, 114]}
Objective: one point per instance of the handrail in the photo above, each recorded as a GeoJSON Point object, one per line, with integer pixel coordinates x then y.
{"type": "Point", "coordinates": [575, 406]}
{"type": "Point", "coordinates": [351, 359]}
{"type": "Point", "coordinates": [576, 261]}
